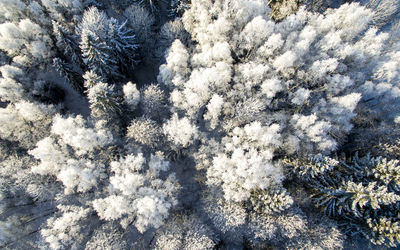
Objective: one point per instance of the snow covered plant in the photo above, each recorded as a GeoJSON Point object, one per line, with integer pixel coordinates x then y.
{"type": "Point", "coordinates": [137, 194]}
{"type": "Point", "coordinates": [26, 42]}
{"type": "Point", "coordinates": [280, 9]}
{"type": "Point", "coordinates": [178, 7]}
{"type": "Point", "coordinates": [26, 27]}
{"type": "Point", "coordinates": [153, 5]}
{"type": "Point", "coordinates": [258, 90]}
{"type": "Point", "coordinates": [304, 76]}
{"type": "Point", "coordinates": [141, 22]}
{"type": "Point", "coordinates": [133, 189]}
{"type": "Point", "coordinates": [196, 156]}
{"type": "Point", "coordinates": [62, 156]}
{"type": "Point", "coordinates": [365, 193]}
{"type": "Point", "coordinates": [25, 122]}
{"type": "Point", "coordinates": [185, 232]}
{"type": "Point", "coordinates": [108, 47]}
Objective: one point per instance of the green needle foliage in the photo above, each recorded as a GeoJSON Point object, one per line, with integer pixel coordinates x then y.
{"type": "Point", "coordinates": [363, 194]}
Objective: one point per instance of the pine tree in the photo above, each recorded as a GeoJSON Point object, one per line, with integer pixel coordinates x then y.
{"type": "Point", "coordinates": [91, 79]}
{"type": "Point", "coordinates": [70, 75]}
{"type": "Point", "coordinates": [124, 41]}
{"type": "Point", "coordinates": [151, 4]}
{"type": "Point", "coordinates": [178, 7]}
{"type": "Point", "coordinates": [108, 48]}
{"type": "Point", "coordinates": [364, 193]}
{"type": "Point", "coordinates": [141, 21]}
{"type": "Point", "coordinates": [98, 56]}
{"type": "Point", "coordinates": [66, 42]}
{"type": "Point", "coordinates": [105, 103]}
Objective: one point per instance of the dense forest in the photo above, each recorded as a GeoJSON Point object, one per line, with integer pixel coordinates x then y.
{"type": "Point", "coordinates": [199, 124]}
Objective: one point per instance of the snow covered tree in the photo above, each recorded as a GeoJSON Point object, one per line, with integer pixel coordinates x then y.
{"type": "Point", "coordinates": [12, 87]}
{"type": "Point", "coordinates": [66, 71]}
{"type": "Point", "coordinates": [101, 181]}
{"type": "Point", "coordinates": [293, 229]}
{"type": "Point", "coordinates": [19, 84]}
{"type": "Point", "coordinates": [265, 228]}
{"type": "Point", "coordinates": [12, 10]}
{"type": "Point", "coordinates": [67, 43]}
{"type": "Point", "coordinates": [91, 79]}
{"type": "Point", "coordinates": [280, 9]}
{"type": "Point", "coordinates": [180, 131]}
{"type": "Point", "coordinates": [137, 195]}
{"type": "Point", "coordinates": [131, 95]}
{"type": "Point", "coordinates": [185, 232]}
{"type": "Point", "coordinates": [26, 200]}
{"type": "Point", "coordinates": [108, 236]}
{"type": "Point", "coordinates": [105, 103]}
{"type": "Point", "coordinates": [107, 46]}
{"type": "Point", "coordinates": [153, 102]}
{"type": "Point", "coordinates": [76, 174]}
{"type": "Point", "coordinates": [26, 123]}
{"type": "Point", "coordinates": [244, 165]}
{"type": "Point", "coordinates": [178, 7]}
{"type": "Point", "coordinates": [258, 90]}
{"type": "Point", "coordinates": [66, 229]}
{"type": "Point", "coordinates": [384, 11]}
{"type": "Point", "coordinates": [170, 32]}
{"type": "Point", "coordinates": [141, 21]}
{"type": "Point", "coordinates": [152, 5]}
{"type": "Point", "coordinates": [145, 131]}
{"type": "Point", "coordinates": [365, 193]}
{"type": "Point", "coordinates": [229, 149]}
{"type": "Point", "coordinates": [97, 56]}
{"type": "Point", "coordinates": [124, 42]}
{"type": "Point", "coordinates": [25, 41]}
{"type": "Point", "coordinates": [233, 65]}
{"type": "Point", "coordinates": [63, 10]}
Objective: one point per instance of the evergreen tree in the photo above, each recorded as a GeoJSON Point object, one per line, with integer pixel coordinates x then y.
{"type": "Point", "coordinates": [150, 4]}
{"type": "Point", "coordinates": [65, 70]}
{"type": "Point", "coordinates": [124, 42]}
{"type": "Point", "coordinates": [105, 102]}
{"type": "Point", "coordinates": [178, 7]}
{"type": "Point", "coordinates": [66, 42]}
{"type": "Point", "coordinates": [108, 48]}
{"type": "Point", "coordinates": [98, 56]}
{"type": "Point", "coordinates": [365, 194]}
{"type": "Point", "coordinates": [244, 95]}
{"type": "Point", "coordinates": [141, 22]}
